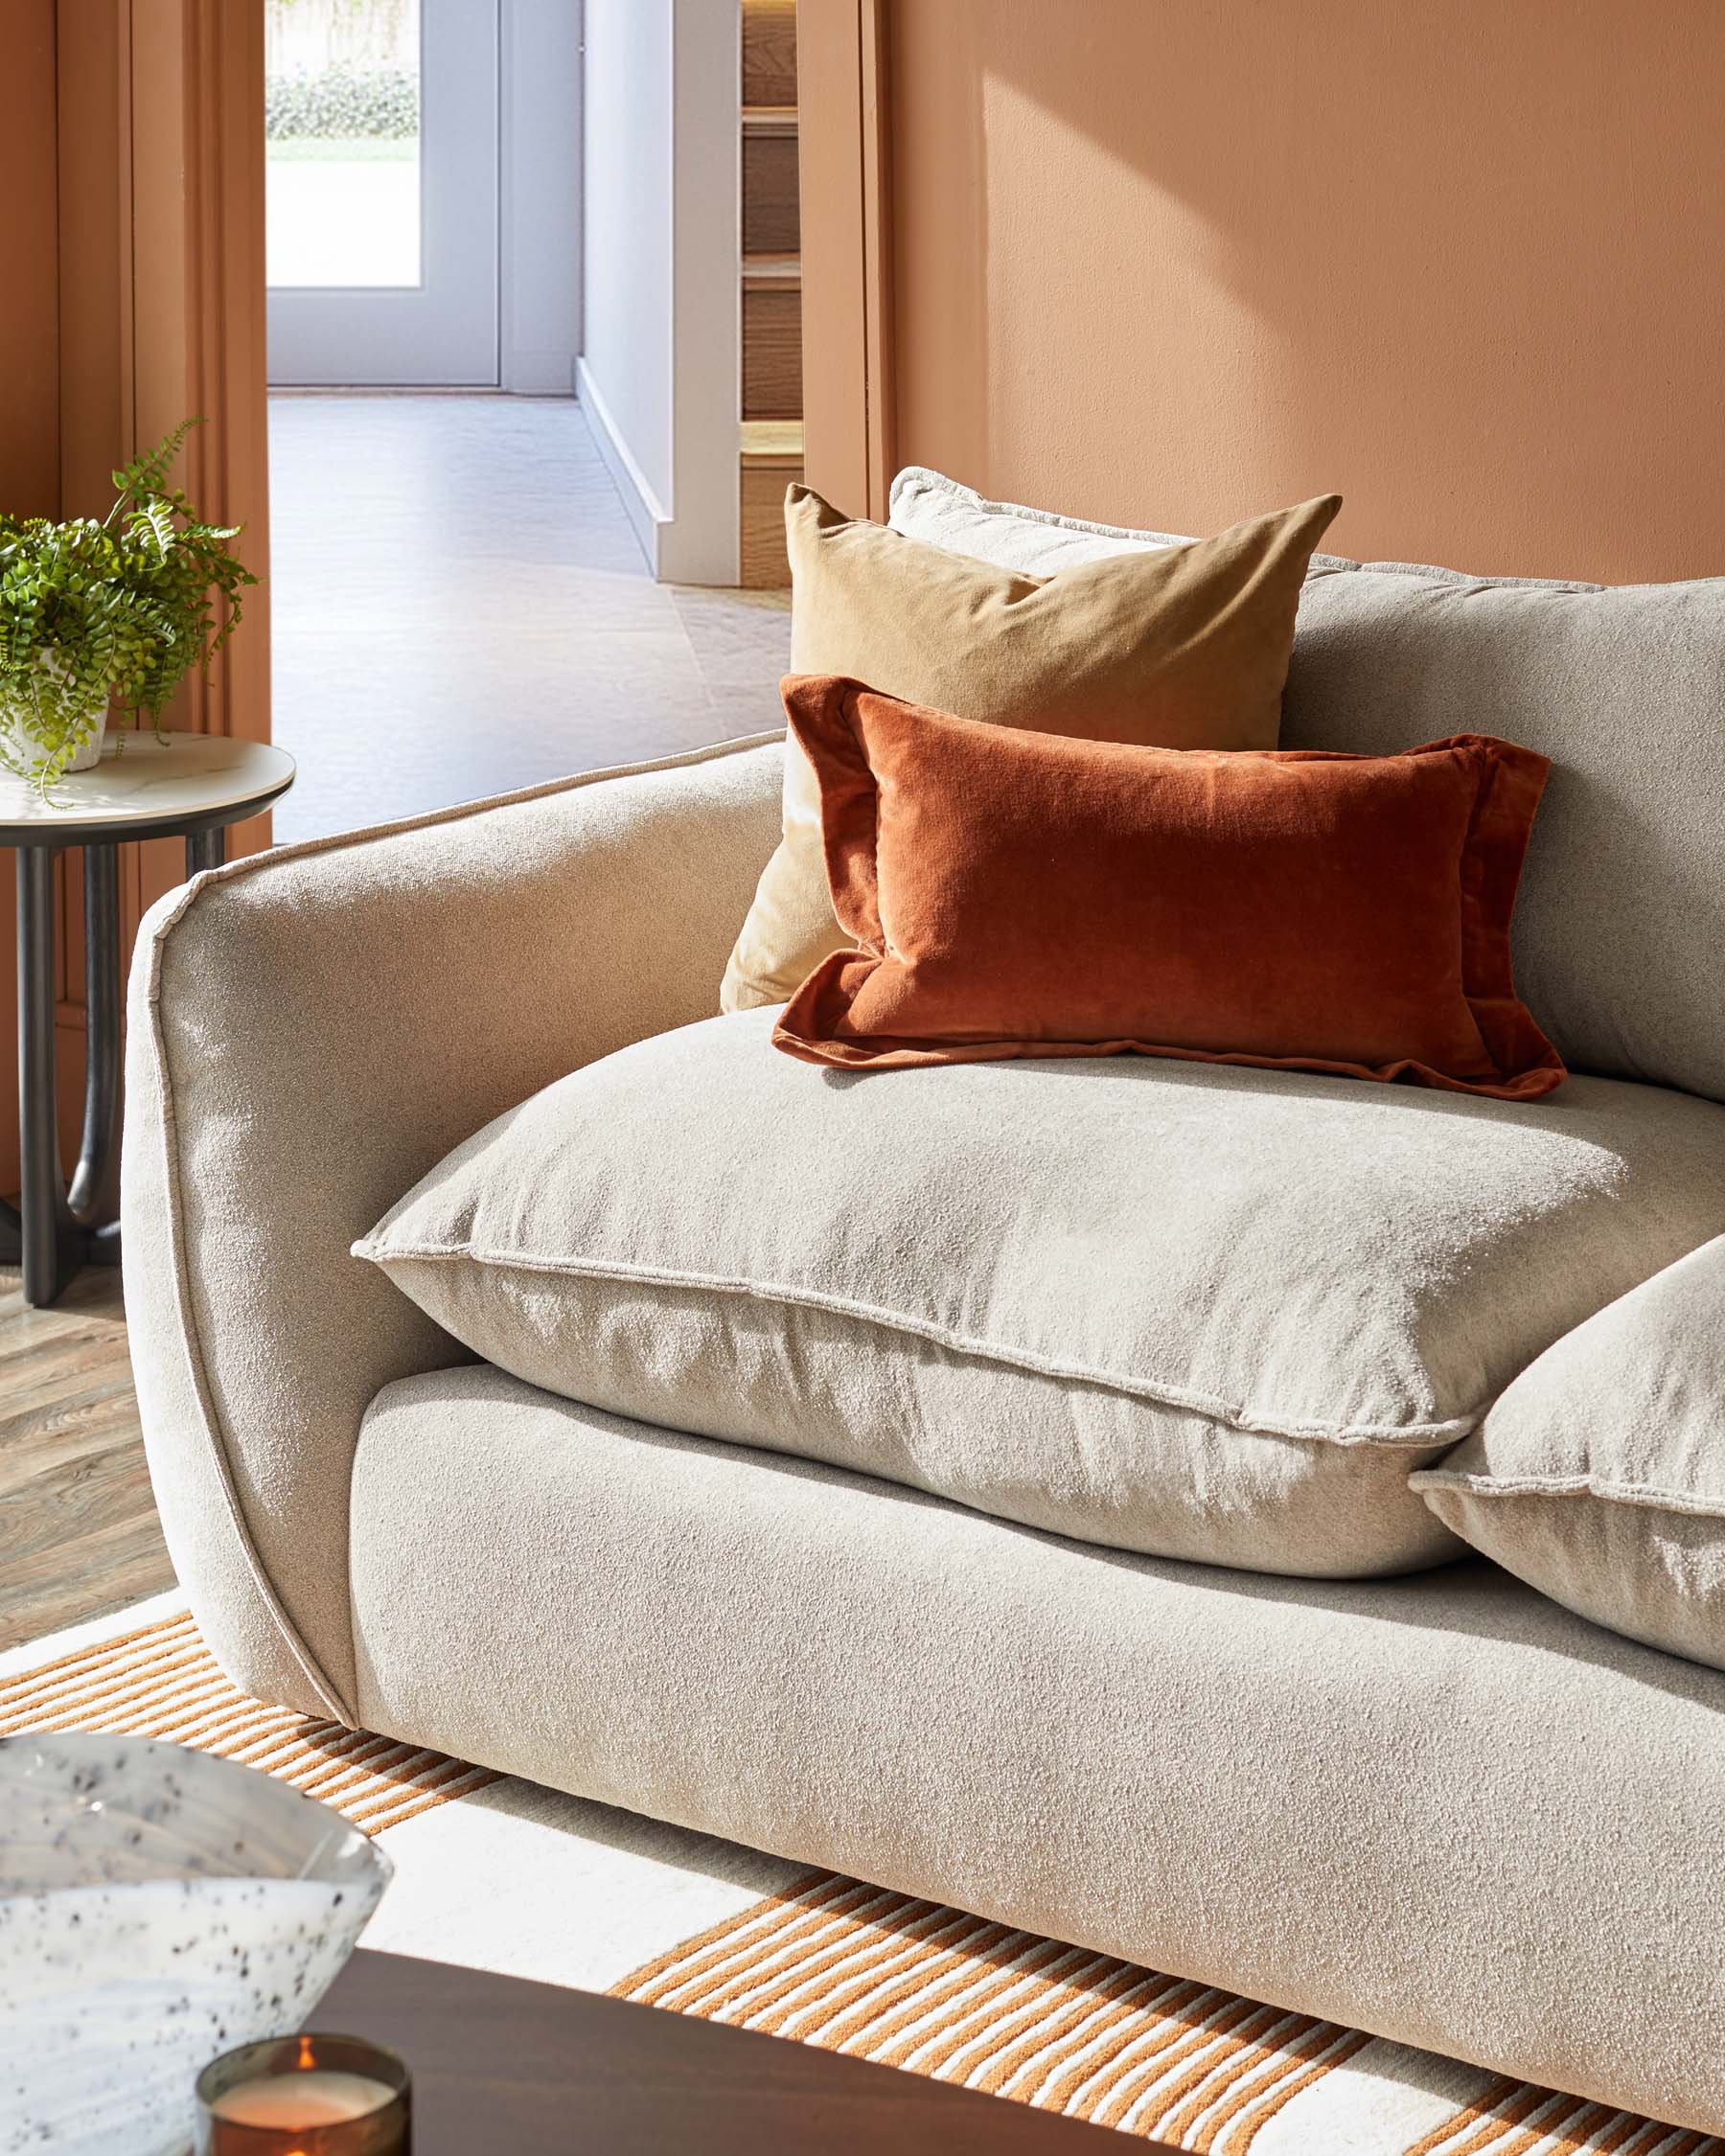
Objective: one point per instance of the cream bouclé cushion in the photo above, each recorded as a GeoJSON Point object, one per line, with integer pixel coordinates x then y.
{"type": "Point", "coordinates": [1193, 1311]}
{"type": "Point", "coordinates": [1598, 1477]}
{"type": "Point", "coordinates": [1179, 647]}
{"type": "Point", "coordinates": [927, 505]}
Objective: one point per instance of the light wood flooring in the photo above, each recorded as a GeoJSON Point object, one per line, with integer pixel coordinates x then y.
{"type": "Point", "coordinates": [78, 1525]}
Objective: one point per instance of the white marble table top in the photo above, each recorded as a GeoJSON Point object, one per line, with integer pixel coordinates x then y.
{"type": "Point", "coordinates": [141, 780]}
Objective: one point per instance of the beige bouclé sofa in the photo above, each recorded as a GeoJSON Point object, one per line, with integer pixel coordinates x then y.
{"type": "Point", "coordinates": [1437, 1805]}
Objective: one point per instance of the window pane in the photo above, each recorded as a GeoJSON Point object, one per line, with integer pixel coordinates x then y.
{"type": "Point", "coordinates": [342, 122]}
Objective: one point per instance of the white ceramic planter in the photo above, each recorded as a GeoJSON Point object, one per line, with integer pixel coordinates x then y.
{"type": "Point", "coordinates": [89, 755]}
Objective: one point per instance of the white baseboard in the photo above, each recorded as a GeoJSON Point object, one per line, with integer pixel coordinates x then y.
{"type": "Point", "coordinates": [642, 504]}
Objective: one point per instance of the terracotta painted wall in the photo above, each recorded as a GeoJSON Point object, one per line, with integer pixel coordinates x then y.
{"type": "Point", "coordinates": [28, 251]}
{"type": "Point", "coordinates": [131, 265]}
{"type": "Point", "coordinates": [1171, 262]}
{"type": "Point", "coordinates": [29, 404]}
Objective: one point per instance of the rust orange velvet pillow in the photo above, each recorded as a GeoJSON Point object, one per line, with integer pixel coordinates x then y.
{"type": "Point", "coordinates": [1026, 894]}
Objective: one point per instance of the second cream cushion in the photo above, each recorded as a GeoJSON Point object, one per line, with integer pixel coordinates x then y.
{"type": "Point", "coordinates": [1184, 1309]}
{"type": "Point", "coordinates": [1186, 648]}
{"type": "Point", "coordinates": [1599, 1476]}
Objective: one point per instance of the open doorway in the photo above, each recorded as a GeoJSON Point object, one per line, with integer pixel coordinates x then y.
{"type": "Point", "coordinates": [462, 601]}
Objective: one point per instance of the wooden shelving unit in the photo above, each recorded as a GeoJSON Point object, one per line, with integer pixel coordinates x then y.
{"type": "Point", "coordinates": [771, 442]}
{"type": "Point", "coordinates": [770, 455]}
{"type": "Point", "coordinates": [769, 52]}
{"type": "Point", "coordinates": [772, 336]}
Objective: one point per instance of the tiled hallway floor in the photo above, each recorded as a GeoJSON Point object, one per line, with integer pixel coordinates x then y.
{"type": "Point", "coordinates": [460, 606]}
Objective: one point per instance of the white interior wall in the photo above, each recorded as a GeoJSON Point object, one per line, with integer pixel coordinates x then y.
{"type": "Point", "coordinates": [660, 315]}
{"type": "Point", "coordinates": [625, 377]}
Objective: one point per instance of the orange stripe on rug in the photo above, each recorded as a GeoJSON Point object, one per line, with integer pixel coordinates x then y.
{"type": "Point", "coordinates": [886, 1977]}
{"type": "Point", "coordinates": [161, 1681]}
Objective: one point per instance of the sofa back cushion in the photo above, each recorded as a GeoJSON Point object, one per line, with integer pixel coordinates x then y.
{"type": "Point", "coordinates": [1621, 916]}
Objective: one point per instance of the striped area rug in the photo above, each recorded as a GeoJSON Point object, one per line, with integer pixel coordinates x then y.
{"type": "Point", "coordinates": [829, 1961]}
{"type": "Point", "coordinates": [917, 1986]}
{"type": "Point", "coordinates": [161, 1681]}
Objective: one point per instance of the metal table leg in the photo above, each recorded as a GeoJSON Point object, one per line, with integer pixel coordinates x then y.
{"type": "Point", "coordinates": [91, 1199]}
{"type": "Point", "coordinates": [53, 1231]}
{"type": "Point", "coordinates": [205, 849]}
{"type": "Point", "coordinates": [48, 1237]}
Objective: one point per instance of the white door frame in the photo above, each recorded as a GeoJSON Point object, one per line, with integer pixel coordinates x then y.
{"type": "Point", "coordinates": [539, 204]}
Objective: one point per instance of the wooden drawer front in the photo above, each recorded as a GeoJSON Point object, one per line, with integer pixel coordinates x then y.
{"type": "Point", "coordinates": [771, 352]}
{"type": "Point", "coordinates": [763, 564]}
{"type": "Point", "coordinates": [769, 52]}
{"type": "Point", "coordinates": [771, 223]}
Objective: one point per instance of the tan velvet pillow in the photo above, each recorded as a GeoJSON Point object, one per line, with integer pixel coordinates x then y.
{"type": "Point", "coordinates": [1183, 649]}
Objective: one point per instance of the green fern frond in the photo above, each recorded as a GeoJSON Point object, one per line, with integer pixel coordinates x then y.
{"type": "Point", "coordinates": [160, 519]}
{"type": "Point", "coordinates": [146, 474]}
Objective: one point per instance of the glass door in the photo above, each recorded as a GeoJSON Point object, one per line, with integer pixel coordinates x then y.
{"type": "Point", "coordinates": [381, 164]}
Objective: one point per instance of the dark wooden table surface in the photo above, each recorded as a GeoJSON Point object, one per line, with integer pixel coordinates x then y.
{"type": "Point", "coordinates": [506, 2068]}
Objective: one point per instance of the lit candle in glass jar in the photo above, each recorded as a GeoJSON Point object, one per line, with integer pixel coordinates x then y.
{"type": "Point", "coordinates": [304, 2096]}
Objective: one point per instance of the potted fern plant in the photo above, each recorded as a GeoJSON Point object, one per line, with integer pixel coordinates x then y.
{"type": "Point", "coordinates": [117, 611]}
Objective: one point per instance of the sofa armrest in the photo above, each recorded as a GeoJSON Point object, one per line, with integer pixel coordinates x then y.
{"type": "Point", "coordinates": [310, 1030]}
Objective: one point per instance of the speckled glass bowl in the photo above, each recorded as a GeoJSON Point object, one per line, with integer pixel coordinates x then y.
{"type": "Point", "coordinates": [157, 1906]}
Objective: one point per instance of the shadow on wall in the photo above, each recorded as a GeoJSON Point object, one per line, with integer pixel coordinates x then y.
{"type": "Point", "coordinates": [1170, 265]}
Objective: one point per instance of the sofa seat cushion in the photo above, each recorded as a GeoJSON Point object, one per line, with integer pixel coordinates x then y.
{"type": "Point", "coordinates": [1440, 1808]}
{"type": "Point", "coordinates": [1198, 1312]}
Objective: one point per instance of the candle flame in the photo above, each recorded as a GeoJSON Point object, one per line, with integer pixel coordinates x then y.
{"type": "Point", "coordinates": [307, 2059]}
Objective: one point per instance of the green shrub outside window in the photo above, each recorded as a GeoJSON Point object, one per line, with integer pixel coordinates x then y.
{"type": "Point", "coordinates": [331, 104]}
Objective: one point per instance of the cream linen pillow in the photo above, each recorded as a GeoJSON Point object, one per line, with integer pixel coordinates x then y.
{"type": "Point", "coordinates": [1183, 648]}
{"type": "Point", "coordinates": [1598, 1477]}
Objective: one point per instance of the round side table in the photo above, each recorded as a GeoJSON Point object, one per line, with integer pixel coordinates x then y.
{"type": "Point", "coordinates": [192, 788]}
